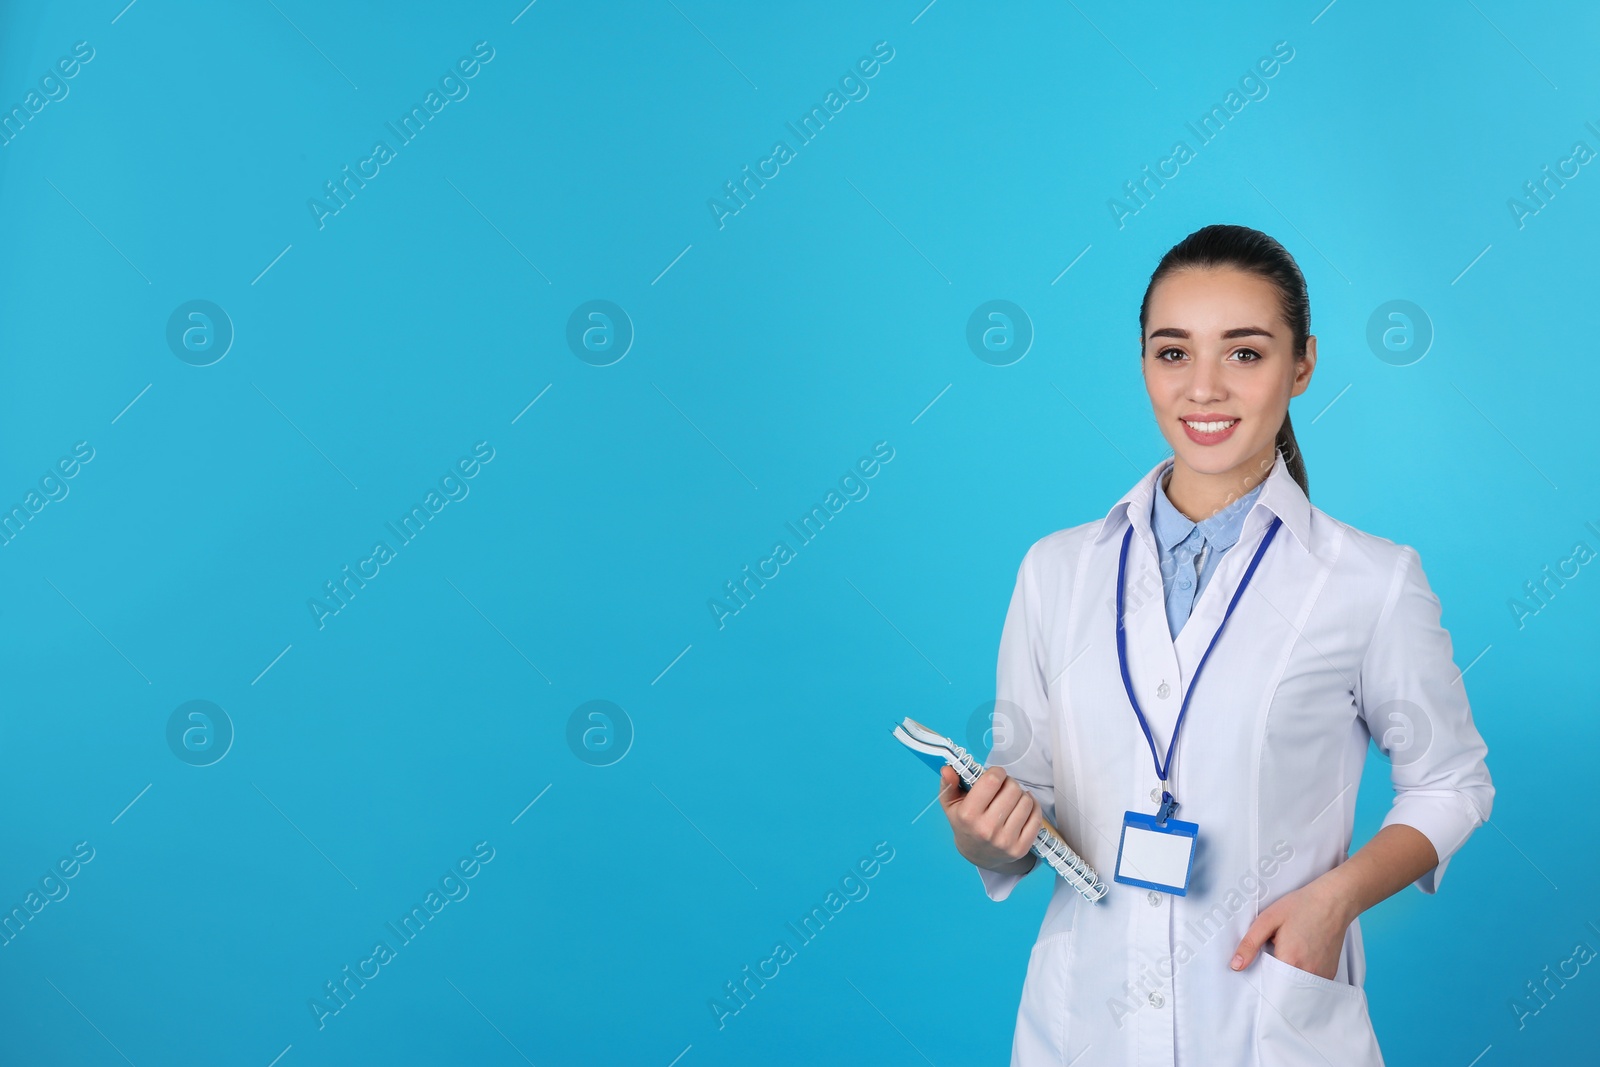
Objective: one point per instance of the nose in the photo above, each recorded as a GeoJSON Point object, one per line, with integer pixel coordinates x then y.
{"type": "Point", "coordinates": [1205, 381]}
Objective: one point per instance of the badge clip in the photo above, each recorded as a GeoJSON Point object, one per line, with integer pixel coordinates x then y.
{"type": "Point", "coordinates": [1169, 804]}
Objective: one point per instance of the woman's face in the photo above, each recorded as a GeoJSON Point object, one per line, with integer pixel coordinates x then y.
{"type": "Point", "coordinates": [1220, 369]}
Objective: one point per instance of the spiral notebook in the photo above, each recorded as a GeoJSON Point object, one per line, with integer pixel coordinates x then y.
{"type": "Point", "coordinates": [938, 751]}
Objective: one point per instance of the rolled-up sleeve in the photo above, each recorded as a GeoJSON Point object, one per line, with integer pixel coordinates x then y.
{"type": "Point", "coordinates": [1414, 701]}
{"type": "Point", "coordinates": [1021, 725]}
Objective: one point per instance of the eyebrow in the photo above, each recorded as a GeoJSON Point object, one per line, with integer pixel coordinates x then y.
{"type": "Point", "coordinates": [1237, 331]}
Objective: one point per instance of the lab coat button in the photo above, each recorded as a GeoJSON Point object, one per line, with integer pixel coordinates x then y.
{"type": "Point", "coordinates": [1156, 999]}
{"type": "Point", "coordinates": [1161, 691]}
{"type": "Point", "coordinates": [1155, 795]}
{"type": "Point", "coordinates": [1155, 899]}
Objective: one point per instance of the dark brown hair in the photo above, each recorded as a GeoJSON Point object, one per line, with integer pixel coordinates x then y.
{"type": "Point", "coordinates": [1252, 251]}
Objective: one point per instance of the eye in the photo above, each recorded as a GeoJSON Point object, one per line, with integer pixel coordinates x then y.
{"type": "Point", "coordinates": [1252, 354]}
{"type": "Point", "coordinates": [1162, 354]}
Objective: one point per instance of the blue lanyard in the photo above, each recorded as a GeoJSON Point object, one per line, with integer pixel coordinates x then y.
{"type": "Point", "coordinates": [1167, 802]}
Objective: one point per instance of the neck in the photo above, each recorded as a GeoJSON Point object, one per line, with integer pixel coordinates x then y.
{"type": "Point", "coordinates": [1199, 496]}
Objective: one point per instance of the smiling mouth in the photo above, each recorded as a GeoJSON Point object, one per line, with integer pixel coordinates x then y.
{"type": "Point", "coordinates": [1210, 425]}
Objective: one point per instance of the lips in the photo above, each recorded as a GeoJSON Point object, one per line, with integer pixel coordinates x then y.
{"type": "Point", "coordinates": [1209, 429]}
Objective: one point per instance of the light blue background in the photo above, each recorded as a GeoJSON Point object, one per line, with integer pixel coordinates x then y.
{"type": "Point", "coordinates": [825, 316]}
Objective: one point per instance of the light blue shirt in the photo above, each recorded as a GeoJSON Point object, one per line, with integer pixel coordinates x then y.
{"type": "Point", "coordinates": [1180, 540]}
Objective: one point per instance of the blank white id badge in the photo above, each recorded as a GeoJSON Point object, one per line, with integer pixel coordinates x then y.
{"type": "Point", "coordinates": [1155, 855]}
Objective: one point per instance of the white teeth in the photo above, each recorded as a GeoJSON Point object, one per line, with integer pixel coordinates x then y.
{"type": "Point", "coordinates": [1209, 427]}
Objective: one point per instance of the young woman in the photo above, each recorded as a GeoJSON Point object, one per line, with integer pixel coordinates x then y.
{"type": "Point", "coordinates": [1216, 653]}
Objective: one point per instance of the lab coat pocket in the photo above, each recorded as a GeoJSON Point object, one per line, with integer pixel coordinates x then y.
{"type": "Point", "coordinates": [1307, 1020]}
{"type": "Point", "coordinates": [1042, 1015]}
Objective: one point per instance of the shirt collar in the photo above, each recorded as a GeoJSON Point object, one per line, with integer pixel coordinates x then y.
{"type": "Point", "coordinates": [1280, 495]}
{"type": "Point", "coordinates": [1221, 531]}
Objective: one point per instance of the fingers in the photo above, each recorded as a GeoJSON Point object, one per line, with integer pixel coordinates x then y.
{"type": "Point", "coordinates": [989, 783]}
{"type": "Point", "coordinates": [968, 807]}
{"type": "Point", "coordinates": [1035, 824]}
{"type": "Point", "coordinates": [949, 788]}
{"type": "Point", "coordinates": [991, 823]}
{"type": "Point", "coordinates": [989, 818]}
{"type": "Point", "coordinates": [1014, 836]}
{"type": "Point", "coordinates": [995, 810]}
{"type": "Point", "coordinates": [1259, 933]}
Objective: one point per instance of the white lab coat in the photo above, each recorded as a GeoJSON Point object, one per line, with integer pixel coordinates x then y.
{"type": "Point", "coordinates": [1336, 639]}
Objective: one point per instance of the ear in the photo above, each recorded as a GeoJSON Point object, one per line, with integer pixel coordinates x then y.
{"type": "Point", "coordinates": [1304, 367]}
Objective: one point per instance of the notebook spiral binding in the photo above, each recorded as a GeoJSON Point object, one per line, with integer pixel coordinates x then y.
{"type": "Point", "coordinates": [1046, 845]}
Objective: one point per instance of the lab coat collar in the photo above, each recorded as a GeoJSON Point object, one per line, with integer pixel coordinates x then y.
{"type": "Point", "coordinates": [1280, 496]}
{"type": "Point", "coordinates": [1220, 531]}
